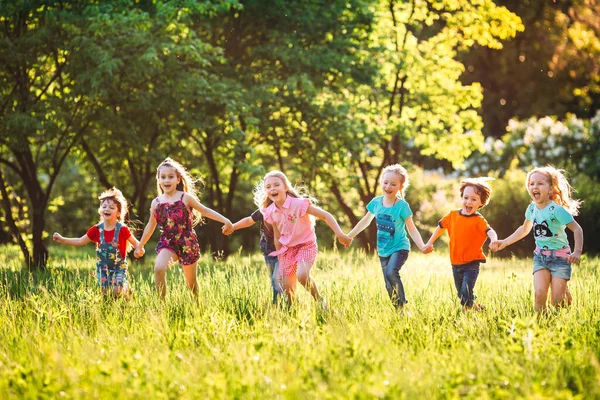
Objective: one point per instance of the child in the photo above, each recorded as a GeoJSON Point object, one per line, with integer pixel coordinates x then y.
{"type": "Point", "coordinates": [267, 246]}
{"type": "Point", "coordinates": [112, 237]}
{"type": "Point", "coordinates": [176, 211]}
{"type": "Point", "coordinates": [294, 231]}
{"type": "Point", "coordinates": [392, 214]}
{"type": "Point", "coordinates": [551, 211]}
{"type": "Point", "coordinates": [468, 231]}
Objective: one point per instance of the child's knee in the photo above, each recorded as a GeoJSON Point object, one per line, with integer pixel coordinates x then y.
{"type": "Point", "coordinates": [160, 269]}
{"type": "Point", "coordinates": [541, 293]}
{"type": "Point", "coordinates": [303, 277]}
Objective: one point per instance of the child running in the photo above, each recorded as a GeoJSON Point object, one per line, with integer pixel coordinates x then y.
{"type": "Point", "coordinates": [294, 231]}
{"type": "Point", "coordinates": [550, 212]}
{"type": "Point", "coordinates": [112, 237]}
{"type": "Point", "coordinates": [267, 246]}
{"type": "Point", "coordinates": [392, 214]}
{"type": "Point", "coordinates": [176, 211]}
{"type": "Point", "coordinates": [468, 231]}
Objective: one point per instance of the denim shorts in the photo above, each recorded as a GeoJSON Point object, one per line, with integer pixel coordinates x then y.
{"type": "Point", "coordinates": [559, 267]}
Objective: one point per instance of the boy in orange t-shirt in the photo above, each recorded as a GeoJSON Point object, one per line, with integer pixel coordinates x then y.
{"type": "Point", "coordinates": [468, 231]}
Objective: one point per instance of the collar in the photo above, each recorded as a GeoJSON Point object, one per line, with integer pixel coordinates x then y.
{"type": "Point", "coordinates": [475, 214]}
{"type": "Point", "coordinates": [286, 203]}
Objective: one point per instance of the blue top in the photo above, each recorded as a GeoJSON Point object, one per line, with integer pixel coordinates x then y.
{"type": "Point", "coordinates": [391, 231]}
{"type": "Point", "coordinates": [549, 225]}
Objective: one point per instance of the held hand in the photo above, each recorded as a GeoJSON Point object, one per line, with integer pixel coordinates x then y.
{"type": "Point", "coordinates": [345, 240]}
{"type": "Point", "coordinates": [57, 237]}
{"type": "Point", "coordinates": [227, 228]}
{"type": "Point", "coordinates": [497, 245]}
{"type": "Point", "coordinates": [139, 251]}
{"type": "Point", "coordinates": [574, 257]}
{"type": "Point", "coordinates": [428, 248]}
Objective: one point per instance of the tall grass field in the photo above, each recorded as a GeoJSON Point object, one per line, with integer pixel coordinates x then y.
{"type": "Point", "coordinates": [60, 339]}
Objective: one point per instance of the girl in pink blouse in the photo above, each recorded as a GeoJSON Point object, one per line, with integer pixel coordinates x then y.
{"type": "Point", "coordinates": [295, 238]}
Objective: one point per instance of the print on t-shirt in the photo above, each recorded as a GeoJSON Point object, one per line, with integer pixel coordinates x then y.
{"type": "Point", "coordinates": [385, 228]}
{"type": "Point", "coordinates": [541, 230]}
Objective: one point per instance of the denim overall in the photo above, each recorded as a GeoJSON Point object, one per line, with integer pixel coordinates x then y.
{"type": "Point", "coordinates": [110, 266]}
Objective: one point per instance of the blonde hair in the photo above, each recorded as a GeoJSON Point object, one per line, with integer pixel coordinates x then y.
{"type": "Point", "coordinates": [113, 194]}
{"type": "Point", "coordinates": [560, 189]}
{"type": "Point", "coordinates": [186, 184]}
{"type": "Point", "coordinates": [482, 188]}
{"type": "Point", "coordinates": [401, 171]}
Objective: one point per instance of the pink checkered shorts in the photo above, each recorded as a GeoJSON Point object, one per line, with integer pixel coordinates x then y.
{"type": "Point", "coordinates": [305, 253]}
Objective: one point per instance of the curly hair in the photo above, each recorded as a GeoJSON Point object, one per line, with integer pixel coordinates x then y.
{"type": "Point", "coordinates": [113, 194]}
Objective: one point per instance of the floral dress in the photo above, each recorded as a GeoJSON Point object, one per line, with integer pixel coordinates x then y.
{"type": "Point", "coordinates": [176, 231]}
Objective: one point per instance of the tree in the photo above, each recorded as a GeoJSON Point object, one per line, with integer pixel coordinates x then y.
{"type": "Point", "coordinates": [40, 118]}
{"type": "Point", "coordinates": [551, 68]}
{"type": "Point", "coordinates": [418, 107]}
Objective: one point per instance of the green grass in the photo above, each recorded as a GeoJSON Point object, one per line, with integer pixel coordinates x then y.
{"type": "Point", "coordinates": [60, 339]}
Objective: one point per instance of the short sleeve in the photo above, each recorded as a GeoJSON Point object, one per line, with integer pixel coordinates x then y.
{"type": "Point", "coordinates": [405, 212]}
{"type": "Point", "coordinates": [302, 207]}
{"type": "Point", "coordinates": [93, 234]}
{"type": "Point", "coordinates": [563, 216]}
{"type": "Point", "coordinates": [529, 212]}
{"type": "Point", "coordinates": [124, 233]}
{"type": "Point", "coordinates": [372, 206]}
{"type": "Point", "coordinates": [257, 216]}
{"type": "Point", "coordinates": [483, 225]}
{"type": "Point", "coordinates": [445, 221]}
{"type": "Point", "coordinates": [268, 213]}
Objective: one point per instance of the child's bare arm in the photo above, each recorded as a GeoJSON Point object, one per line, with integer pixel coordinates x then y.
{"type": "Point", "coordinates": [434, 236]}
{"type": "Point", "coordinates": [328, 218]}
{"type": "Point", "coordinates": [518, 234]}
{"type": "Point", "coordinates": [207, 212]}
{"type": "Point", "coordinates": [414, 233]}
{"type": "Point", "coordinates": [578, 236]}
{"type": "Point", "coordinates": [149, 229]}
{"type": "Point", "coordinates": [71, 241]}
{"type": "Point", "coordinates": [361, 225]}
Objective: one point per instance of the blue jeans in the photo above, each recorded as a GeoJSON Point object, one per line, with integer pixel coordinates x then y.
{"type": "Point", "coordinates": [465, 277]}
{"type": "Point", "coordinates": [276, 279]}
{"type": "Point", "coordinates": [390, 267]}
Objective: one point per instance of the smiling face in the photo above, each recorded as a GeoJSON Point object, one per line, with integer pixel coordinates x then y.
{"type": "Point", "coordinates": [391, 184]}
{"type": "Point", "coordinates": [168, 179]}
{"type": "Point", "coordinates": [275, 189]}
{"type": "Point", "coordinates": [109, 211]}
{"type": "Point", "coordinates": [471, 200]}
{"type": "Point", "coordinates": [540, 188]}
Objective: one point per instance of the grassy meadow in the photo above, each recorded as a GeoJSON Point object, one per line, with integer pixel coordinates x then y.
{"type": "Point", "coordinates": [60, 339]}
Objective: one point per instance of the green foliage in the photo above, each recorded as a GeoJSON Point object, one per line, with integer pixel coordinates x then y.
{"type": "Point", "coordinates": [60, 338]}
{"type": "Point", "coordinates": [550, 68]}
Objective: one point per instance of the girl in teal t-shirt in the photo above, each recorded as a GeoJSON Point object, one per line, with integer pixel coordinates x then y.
{"type": "Point", "coordinates": [393, 216]}
{"type": "Point", "coordinates": [549, 215]}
